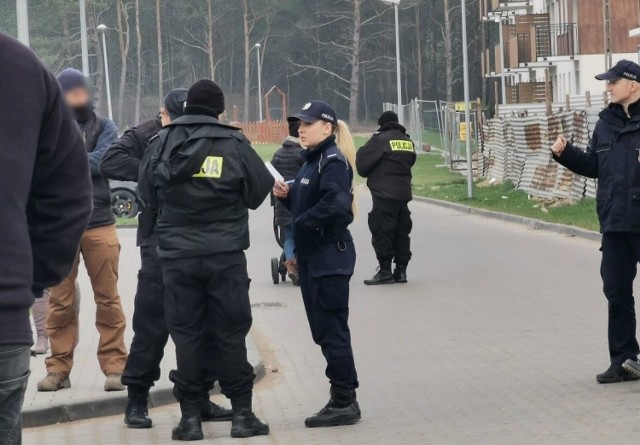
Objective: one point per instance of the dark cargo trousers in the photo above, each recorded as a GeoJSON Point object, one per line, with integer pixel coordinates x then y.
{"type": "Point", "coordinates": [620, 256]}
{"type": "Point", "coordinates": [390, 225]}
{"type": "Point", "coordinates": [209, 316]}
{"type": "Point", "coordinates": [149, 326]}
{"type": "Point", "coordinates": [326, 301]}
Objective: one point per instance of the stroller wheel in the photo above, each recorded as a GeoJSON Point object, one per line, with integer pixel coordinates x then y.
{"type": "Point", "coordinates": [275, 270]}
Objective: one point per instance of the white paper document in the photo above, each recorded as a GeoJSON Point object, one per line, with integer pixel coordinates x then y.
{"type": "Point", "coordinates": [276, 175]}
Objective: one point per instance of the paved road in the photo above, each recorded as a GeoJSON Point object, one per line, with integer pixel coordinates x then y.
{"type": "Point", "coordinates": [496, 340]}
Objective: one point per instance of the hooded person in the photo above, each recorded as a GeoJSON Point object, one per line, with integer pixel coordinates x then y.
{"type": "Point", "coordinates": [386, 161]}
{"type": "Point", "coordinates": [122, 162]}
{"type": "Point", "coordinates": [100, 250]}
{"type": "Point", "coordinates": [206, 176]}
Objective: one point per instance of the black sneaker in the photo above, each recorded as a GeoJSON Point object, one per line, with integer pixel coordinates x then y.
{"type": "Point", "coordinates": [189, 429]}
{"type": "Point", "coordinates": [382, 277]}
{"type": "Point", "coordinates": [632, 367]}
{"type": "Point", "coordinates": [247, 424]}
{"type": "Point", "coordinates": [616, 374]}
{"type": "Point", "coordinates": [136, 415]}
{"type": "Point", "coordinates": [400, 274]}
{"type": "Point", "coordinates": [211, 412]}
{"type": "Point", "coordinates": [331, 415]}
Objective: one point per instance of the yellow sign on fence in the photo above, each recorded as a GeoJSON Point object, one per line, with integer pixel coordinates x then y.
{"type": "Point", "coordinates": [463, 131]}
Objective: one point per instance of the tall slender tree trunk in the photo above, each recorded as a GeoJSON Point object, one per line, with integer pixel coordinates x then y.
{"type": "Point", "coordinates": [124, 42]}
{"type": "Point", "coordinates": [210, 52]}
{"type": "Point", "coordinates": [139, 62]}
{"type": "Point", "coordinates": [247, 54]}
{"type": "Point", "coordinates": [160, 62]}
{"type": "Point", "coordinates": [98, 80]}
{"type": "Point", "coordinates": [355, 64]}
{"type": "Point", "coordinates": [448, 51]}
{"type": "Point", "coordinates": [420, 56]}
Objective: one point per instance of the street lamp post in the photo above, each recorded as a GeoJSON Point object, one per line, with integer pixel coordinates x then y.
{"type": "Point", "coordinates": [467, 112]}
{"type": "Point", "coordinates": [396, 4]}
{"type": "Point", "coordinates": [103, 30]}
{"type": "Point", "coordinates": [22, 14]}
{"type": "Point", "coordinates": [83, 39]}
{"type": "Point", "coordinates": [257, 46]}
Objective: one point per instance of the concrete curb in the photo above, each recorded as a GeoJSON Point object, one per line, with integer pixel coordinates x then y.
{"type": "Point", "coordinates": [110, 406]}
{"type": "Point", "coordinates": [532, 223]}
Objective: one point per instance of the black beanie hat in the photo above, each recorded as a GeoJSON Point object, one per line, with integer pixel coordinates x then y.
{"type": "Point", "coordinates": [387, 117]}
{"type": "Point", "coordinates": [175, 102]}
{"type": "Point", "coordinates": [294, 126]}
{"type": "Point", "coordinates": [71, 78]}
{"type": "Point", "coordinates": [205, 97]}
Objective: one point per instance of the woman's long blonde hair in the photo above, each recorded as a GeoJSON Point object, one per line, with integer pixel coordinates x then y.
{"type": "Point", "coordinates": [345, 143]}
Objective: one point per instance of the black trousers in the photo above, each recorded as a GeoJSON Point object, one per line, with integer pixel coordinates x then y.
{"type": "Point", "coordinates": [390, 224]}
{"type": "Point", "coordinates": [149, 326]}
{"type": "Point", "coordinates": [326, 301]}
{"type": "Point", "coordinates": [620, 256]}
{"type": "Point", "coordinates": [209, 316]}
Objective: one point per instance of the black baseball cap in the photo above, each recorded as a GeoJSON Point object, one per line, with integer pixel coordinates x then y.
{"type": "Point", "coordinates": [625, 69]}
{"type": "Point", "coordinates": [314, 111]}
{"type": "Point", "coordinates": [175, 102]}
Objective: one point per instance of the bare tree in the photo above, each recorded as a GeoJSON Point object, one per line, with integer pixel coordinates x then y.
{"type": "Point", "coordinates": [355, 64]}
{"type": "Point", "coordinates": [247, 54]}
{"type": "Point", "coordinates": [448, 51]}
{"type": "Point", "coordinates": [160, 62]}
{"type": "Point", "coordinates": [420, 56]}
{"type": "Point", "coordinates": [124, 43]}
{"type": "Point", "coordinates": [139, 62]}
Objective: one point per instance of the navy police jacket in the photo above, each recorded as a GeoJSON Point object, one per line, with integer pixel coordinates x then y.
{"type": "Point", "coordinates": [614, 159]}
{"type": "Point", "coordinates": [320, 201]}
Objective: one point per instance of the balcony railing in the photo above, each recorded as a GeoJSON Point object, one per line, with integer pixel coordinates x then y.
{"type": "Point", "coordinates": [557, 40]}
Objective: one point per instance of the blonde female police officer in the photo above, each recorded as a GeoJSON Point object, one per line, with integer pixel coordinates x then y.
{"type": "Point", "coordinates": [321, 203]}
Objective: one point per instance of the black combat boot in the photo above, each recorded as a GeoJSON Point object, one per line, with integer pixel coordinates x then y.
{"type": "Point", "coordinates": [616, 374]}
{"type": "Point", "coordinates": [246, 424]}
{"type": "Point", "coordinates": [190, 426]}
{"type": "Point", "coordinates": [384, 276]}
{"type": "Point", "coordinates": [400, 273]}
{"type": "Point", "coordinates": [137, 415]}
{"type": "Point", "coordinates": [210, 412]}
{"type": "Point", "coordinates": [342, 409]}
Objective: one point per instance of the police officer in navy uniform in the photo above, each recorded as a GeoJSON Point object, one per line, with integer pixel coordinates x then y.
{"type": "Point", "coordinates": [321, 203]}
{"type": "Point", "coordinates": [203, 176]}
{"type": "Point", "coordinates": [613, 158]}
{"type": "Point", "coordinates": [122, 162]}
{"type": "Point", "coordinates": [386, 161]}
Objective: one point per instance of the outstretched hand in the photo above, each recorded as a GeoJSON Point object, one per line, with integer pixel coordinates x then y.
{"type": "Point", "coordinates": [559, 145]}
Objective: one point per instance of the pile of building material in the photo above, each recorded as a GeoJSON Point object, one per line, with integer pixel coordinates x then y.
{"type": "Point", "coordinates": [518, 149]}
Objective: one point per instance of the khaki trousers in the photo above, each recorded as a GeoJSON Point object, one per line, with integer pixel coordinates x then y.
{"type": "Point", "coordinates": [100, 250]}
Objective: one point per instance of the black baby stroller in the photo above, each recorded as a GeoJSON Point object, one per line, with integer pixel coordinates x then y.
{"type": "Point", "coordinates": [278, 270]}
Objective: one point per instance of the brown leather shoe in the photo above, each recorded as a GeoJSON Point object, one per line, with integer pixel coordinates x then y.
{"type": "Point", "coordinates": [292, 270]}
{"type": "Point", "coordinates": [53, 382]}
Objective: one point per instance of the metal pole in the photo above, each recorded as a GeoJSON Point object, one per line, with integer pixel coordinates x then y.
{"type": "Point", "coordinates": [399, 73]}
{"type": "Point", "coordinates": [22, 14]}
{"type": "Point", "coordinates": [106, 74]}
{"type": "Point", "coordinates": [259, 82]}
{"type": "Point", "coordinates": [467, 113]}
{"type": "Point", "coordinates": [83, 39]}
{"type": "Point", "coordinates": [502, 61]}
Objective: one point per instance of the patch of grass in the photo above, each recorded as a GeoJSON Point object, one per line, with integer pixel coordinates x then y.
{"type": "Point", "coordinates": [266, 151]}
{"type": "Point", "coordinates": [433, 180]}
{"type": "Point", "coordinates": [127, 222]}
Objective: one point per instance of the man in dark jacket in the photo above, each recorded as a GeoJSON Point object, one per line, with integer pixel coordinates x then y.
{"type": "Point", "coordinates": [288, 161]}
{"type": "Point", "coordinates": [386, 161]}
{"type": "Point", "coordinates": [204, 176]}
{"type": "Point", "coordinates": [100, 250]}
{"type": "Point", "coordinates": [45, 202]}
{"type": "Point", "coordinates": [122, 162]}
{"type": "Point", "coordinates": [613, 158]}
